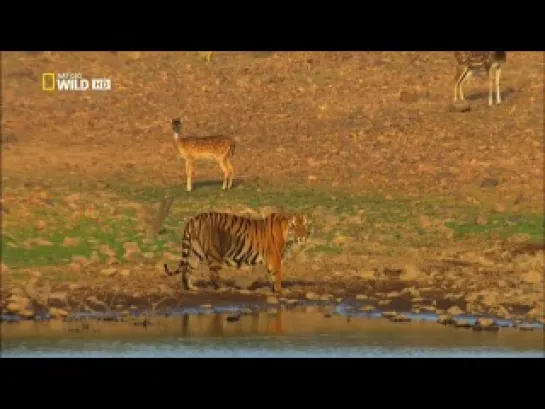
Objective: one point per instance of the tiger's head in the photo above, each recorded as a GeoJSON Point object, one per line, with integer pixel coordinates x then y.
{"type": "Point", "coordinates": [298, 228]}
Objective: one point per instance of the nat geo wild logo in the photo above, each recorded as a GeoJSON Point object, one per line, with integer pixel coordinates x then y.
{"type": "Point", "coordinates": [70, 81]}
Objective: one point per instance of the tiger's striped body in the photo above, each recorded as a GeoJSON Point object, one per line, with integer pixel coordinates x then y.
{"type": "Point", "coordinates": [224, 239]}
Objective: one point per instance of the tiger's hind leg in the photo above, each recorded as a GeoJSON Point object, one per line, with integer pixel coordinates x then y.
{"type": "Point", "coordinates": [187, 264]}
{"type": "Point", "coordinates": [214, 267]}
{"type": "Point", "coordinates": [215, 279]}
{"type": "Point", "coordinates": [187, 281]}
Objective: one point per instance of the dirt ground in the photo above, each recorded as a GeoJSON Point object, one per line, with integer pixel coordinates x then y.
{"type": "Point", "coordinates": [336, 126]}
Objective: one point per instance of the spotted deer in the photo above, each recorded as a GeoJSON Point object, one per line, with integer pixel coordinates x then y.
{"type": "Point", "coordinates": [470, 62]}
{"type": "Point", "coordinates": [211, 148]}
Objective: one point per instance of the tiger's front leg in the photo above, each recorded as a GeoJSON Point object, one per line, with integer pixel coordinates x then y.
{"type": "Point", "coordinates": [274, 271]}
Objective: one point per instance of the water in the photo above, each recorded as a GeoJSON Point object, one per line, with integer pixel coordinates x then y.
{"type": "Point", "coordinates": [280, 334]}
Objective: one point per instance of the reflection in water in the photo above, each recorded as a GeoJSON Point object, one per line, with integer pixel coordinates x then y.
{"type": "Point", "coordinates": [266, 334]}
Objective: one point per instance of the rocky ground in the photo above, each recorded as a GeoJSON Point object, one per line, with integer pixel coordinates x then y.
{"type": "Point", "coordinates": [417, 207]}
{"type": "Point", "coordinates": [502, 283]}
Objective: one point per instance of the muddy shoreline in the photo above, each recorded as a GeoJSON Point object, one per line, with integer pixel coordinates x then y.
{"type": "Point", "coordinates": [501, 283]}
{"type": "Point", "coordinates": [233, 304]}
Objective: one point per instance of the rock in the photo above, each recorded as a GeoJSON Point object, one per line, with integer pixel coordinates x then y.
{"type": "Point", "coordinates": [499, 208]}
{"type": "Point", "coordinates": [312, 296]}
{"type": "Point", "coordinates": [445, 319]}
{"type": "Point", "coordinates": [490, 298]}
{"type": "Point", "coordinates": [462, 324]}
{"type": "Point", "coordinates": [272, 300]}
{"type": "Point", "coordinates": [108, 272]}
{"type": "Point", "coordinates": [410, 273]}
{"type": "Point", "coordinates": [82, 260]}
{"type": "Point", "coordinates": [125, 272]}
{"type": "Point", "coordinates": [28, 314]}
{"type": "Point", "coordinates": [367, 275]}
{"type": "Point", "coordinates": [481, 220]}
{"type": "Point", "coordinates": [233, 317]}
{"type": "Point", "coordinates": [72, 198]}
{"type": "Point", "coordinates": [503, 312]}
{"type": "Point", "coordinates": [361, 297]}
{"type": "Point", "coordinates": [71, 241]}
{"type": "Point", "coordinates": [43, 243]}
{"type": "Point", "coordinates": [400, 318]}
{"type": "Point", "coordinates": [59, 296]}
{"type": "Point", "coordinates": [532, 277]}
{"type": "Point", "coordinates": [490, 182]}
{"type": "Point", "coordinates": [245, 282]}
{"type": "Point", "coordinates": [455, 310]}
{"type": "Point", "coordinates": [148, 255]}
{"type": "Point", "coordinates": [17, 292]}
{"type": "Point", "coordinates": [14, 307]}
{"type": "Point", "coordinates": [18, 303]}
{"type": "Point", "coordinates": [367, 308]}
{"type": "Point", "coordinates": [41, 224]}
{"type": "Point", "coordinates": [326, 297]}
{"type": "Point", "coordinates": [485, 324]}
{"type": "Point", "coordinates": [58, 312]}
{"type": "Point", "coordinates": [389, 314]}
{"type": "Point", "coordinates": [133, 255]}
{"type": "Point", "coordinates": [408, 97]}
{"type": "Point", "coordinates": [535, 313]}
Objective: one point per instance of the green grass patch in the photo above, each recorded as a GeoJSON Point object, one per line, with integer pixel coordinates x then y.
{"type": "Point", "coordinates": [370, 218]}
{"type": "Point", "coordinates": [504, 225]}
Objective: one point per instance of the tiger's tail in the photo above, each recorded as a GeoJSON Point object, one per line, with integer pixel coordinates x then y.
{"type": "Point", "coordinates": [186, 247]}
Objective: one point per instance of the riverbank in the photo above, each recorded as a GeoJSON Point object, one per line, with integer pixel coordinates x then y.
{"type": "Point", "coordinates": [300, 331]}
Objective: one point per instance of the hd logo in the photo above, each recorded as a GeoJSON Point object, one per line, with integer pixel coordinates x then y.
{"type": "Point", "coordinates": [73, 82]}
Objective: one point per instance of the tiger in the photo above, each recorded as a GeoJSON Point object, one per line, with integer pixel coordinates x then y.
{"type": "Point", "coordinates": [228, 240]}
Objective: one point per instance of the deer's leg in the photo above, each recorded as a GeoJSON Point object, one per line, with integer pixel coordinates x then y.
{"type": "Point", "coordinates": [460, 74]}
{"type": "Point", "coordinates": [225, 169]}
{"type": "Point", "coordinates": [189, 174]}
{"type": "Point", "coordinates": [498, 96]}
{"type": "Point", "coordinates": [491, 76]}
{"type": "Point", "coordinates": [231, 172]}
{"type": "Point", "coordinates": [465, 76]}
